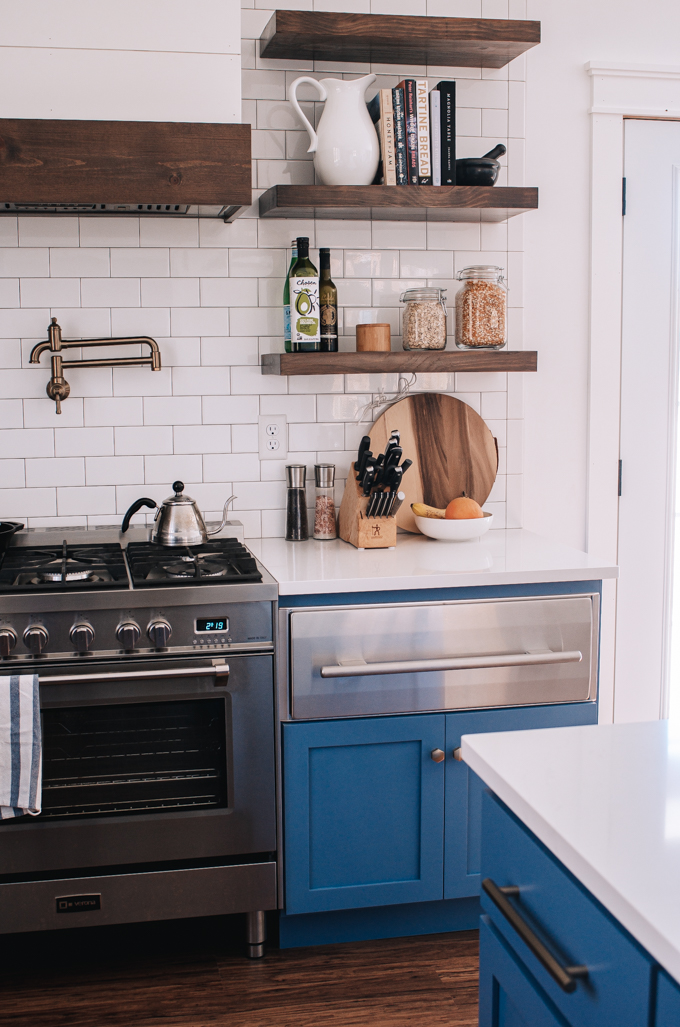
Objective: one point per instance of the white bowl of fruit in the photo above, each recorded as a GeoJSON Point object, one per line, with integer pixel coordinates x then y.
{"type": "Point", "coordinates": [462, 520]}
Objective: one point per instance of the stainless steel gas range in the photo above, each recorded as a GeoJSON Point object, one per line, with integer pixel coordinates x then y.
{"type": "Point", "coordinates": [157, 700]}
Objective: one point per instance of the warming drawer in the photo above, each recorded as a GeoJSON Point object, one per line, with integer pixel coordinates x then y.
{"type": "Point", "coordinates": [363, 661]}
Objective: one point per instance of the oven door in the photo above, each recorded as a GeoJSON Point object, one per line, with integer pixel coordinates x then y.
{"type": "Point", "coordinates": [170, 761]}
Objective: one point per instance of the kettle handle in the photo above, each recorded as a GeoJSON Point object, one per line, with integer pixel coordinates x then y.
{"type": "Point", "coordinates": [292, 96]}
{"type": "Point", "coordinates": [137, 505]}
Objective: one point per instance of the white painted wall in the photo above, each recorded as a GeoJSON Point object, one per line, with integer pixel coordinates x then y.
{"type": "Point", "coordinates": [556, 239]}
{"type": "Point", "coordinates": [135, 60]}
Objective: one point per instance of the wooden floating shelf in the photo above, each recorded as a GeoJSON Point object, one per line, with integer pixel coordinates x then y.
{"type": "Point", "coordinates": [397, 39]}
{"type": "Point", "coordinates": [397, 202]}
{"type": "Point", "coordinates": [424, 361]}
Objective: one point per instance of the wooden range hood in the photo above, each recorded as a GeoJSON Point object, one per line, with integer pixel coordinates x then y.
{"type": "Point", "coordinates": [140, 168]}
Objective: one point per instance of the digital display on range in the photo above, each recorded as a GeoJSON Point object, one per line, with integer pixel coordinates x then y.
{"type": "Point", "coordinates": [212, 624]}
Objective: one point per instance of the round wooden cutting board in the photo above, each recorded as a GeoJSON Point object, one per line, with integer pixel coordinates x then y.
{"type": "Point", "coordinates": [452, 449]}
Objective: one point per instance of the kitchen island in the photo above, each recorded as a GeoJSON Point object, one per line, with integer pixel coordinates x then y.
{"type": "Point", "coordinates": [585, 821]}
{"type": "Point", "coordinates": [385, 658]}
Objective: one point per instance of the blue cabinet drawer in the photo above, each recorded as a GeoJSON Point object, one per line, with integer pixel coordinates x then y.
{"type": "Point", "coordinates": [667, 1002]}
{"type": "Point", "coordinates": [508, 997]}
{"type": "Point", "coordinates": [569, 922]}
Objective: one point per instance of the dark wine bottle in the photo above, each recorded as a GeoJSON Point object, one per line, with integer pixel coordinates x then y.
{"type": "Point", "coordinates": [328, 304]}
{"type": "Point", "coordinates": [304, 302]}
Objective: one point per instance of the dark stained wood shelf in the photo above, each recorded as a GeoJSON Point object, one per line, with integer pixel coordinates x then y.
{"type": "Point", "coordinates": [397, 202]}
{"type": "Point", "coordinates": [424, 361]}
{"type": "Point", "coordinates": [397, 39]}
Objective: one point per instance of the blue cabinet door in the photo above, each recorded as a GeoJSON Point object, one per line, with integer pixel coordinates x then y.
{"type": "Point", "coordinates": [364, 812]}
{"type": "Point", "coordinates": [667, 1002]}
{"type": "Point", "coordinates": [463, 820]}
{"type": "Point", "coordinates": [508, 995]}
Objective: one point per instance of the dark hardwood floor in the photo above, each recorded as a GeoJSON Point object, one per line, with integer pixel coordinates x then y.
{"type": "Point", "coordinates": [193, 974]}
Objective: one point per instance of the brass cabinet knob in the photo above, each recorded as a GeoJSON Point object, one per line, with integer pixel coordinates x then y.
{"type": "Point", "coordinates": [457, 754]}
{"type": "Point", "coordinates": [438, 755]}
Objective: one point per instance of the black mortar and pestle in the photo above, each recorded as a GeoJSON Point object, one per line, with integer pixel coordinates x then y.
{"type": "Point", "coordinates": [480, 170]}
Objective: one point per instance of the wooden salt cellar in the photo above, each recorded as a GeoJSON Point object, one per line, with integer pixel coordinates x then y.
{"type": "Point", "coordinates": [357, 529]}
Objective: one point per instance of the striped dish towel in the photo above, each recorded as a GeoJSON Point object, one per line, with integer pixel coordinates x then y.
{"type": "Point", "coordinates": [20, 746]}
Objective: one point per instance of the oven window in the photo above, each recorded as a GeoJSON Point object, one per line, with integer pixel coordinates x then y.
{"type": "Point", "coordinates": [136, 758]}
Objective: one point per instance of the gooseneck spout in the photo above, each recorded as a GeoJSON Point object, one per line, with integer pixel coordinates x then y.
{"type": "Point", "coordinates": [58, 388]}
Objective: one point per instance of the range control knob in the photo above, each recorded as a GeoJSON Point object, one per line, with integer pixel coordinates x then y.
{"type": "Point", "coordinates": [159, 632]}
{"type": "Point", "coordinates": [8, 639]}
{"type": "Point", "coordinates": [128, 634]}
{"type": "Point", "coordinates": [36, 638]}
{"type": "Point", "coordinates": [82, 636]}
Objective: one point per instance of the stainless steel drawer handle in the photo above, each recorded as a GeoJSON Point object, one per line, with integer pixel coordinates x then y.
{"type": "Point", "coordinates": [357, 669]}
{"type": "Point", "coordinates": [565, 976]}
{"type": "Point", "coordinates": [218, 670]}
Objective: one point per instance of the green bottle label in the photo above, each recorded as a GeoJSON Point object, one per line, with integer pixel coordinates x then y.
{"type": "Point", "coordinates": [304, 301]}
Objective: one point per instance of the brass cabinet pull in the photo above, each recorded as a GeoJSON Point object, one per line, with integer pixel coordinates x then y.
{"type": "Point", "coordinates": [438, 755]}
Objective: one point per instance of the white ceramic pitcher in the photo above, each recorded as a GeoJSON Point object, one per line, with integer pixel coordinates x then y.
{"type": "Point", "coordinates": [345, 146]}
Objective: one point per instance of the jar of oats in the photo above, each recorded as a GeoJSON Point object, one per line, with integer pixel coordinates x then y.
{"type": "Point", "coordinates": [481, 308]}
{"type": "Point", "coordinates": [424, 319]}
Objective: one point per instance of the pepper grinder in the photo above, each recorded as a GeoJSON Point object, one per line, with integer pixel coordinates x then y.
{"type": "Point", "coordinates": [324, 509]}
{"type": "Point", "coordinates": [296, 503]}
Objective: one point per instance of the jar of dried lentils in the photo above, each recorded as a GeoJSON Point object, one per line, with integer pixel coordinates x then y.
{"type": "Point", "coordinates": [424, 319]}
{"type": "Point", "coordinates": [481, 308]}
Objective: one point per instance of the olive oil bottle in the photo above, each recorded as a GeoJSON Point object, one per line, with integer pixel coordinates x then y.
{"type": "Point", "coordinates": [286, 297]}
{"type": "Point", "coordinates": [304, 302]}
{"type": "Point", "coordinates": [328, 304]}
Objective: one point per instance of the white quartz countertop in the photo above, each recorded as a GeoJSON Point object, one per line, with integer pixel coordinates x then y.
{"type": "Point", "coordinates": [509, 557]}
{"type": "Point", "coordinates": [605, 799]}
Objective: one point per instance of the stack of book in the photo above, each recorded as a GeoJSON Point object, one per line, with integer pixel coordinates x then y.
{"type": "Point", "coordinates": [417, 131]}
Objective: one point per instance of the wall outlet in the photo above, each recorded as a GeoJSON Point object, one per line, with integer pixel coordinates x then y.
{"type": "Point", "coordinates": [273, 436]}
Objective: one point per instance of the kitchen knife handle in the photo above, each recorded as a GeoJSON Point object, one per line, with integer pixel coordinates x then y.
{"type": "Point", "coordinates": [360, 670]}
{"type": "Point", "coordinates": [364, 446]}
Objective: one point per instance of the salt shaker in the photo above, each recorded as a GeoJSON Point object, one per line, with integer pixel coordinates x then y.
{"type": "Point", "coordinates": [296, 503]}
{"type": "Point", "coordinates": [324, 507]}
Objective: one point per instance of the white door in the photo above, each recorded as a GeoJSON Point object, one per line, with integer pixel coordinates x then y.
{"type": "Point", "coordinates": [649, 395]}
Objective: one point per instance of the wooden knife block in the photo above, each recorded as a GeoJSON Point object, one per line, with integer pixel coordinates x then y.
{"type": "Point", "coordinates": [357, 529]}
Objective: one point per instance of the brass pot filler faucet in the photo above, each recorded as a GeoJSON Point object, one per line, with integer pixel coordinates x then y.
{"type": "Point", "coordinates": [57, 387]}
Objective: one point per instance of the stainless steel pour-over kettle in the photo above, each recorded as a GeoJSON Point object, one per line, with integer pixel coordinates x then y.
{"type": "Point", "coordinates": [178, 520]}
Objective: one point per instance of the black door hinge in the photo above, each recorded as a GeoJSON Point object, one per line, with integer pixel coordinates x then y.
{"type": "Point", "coordinates": [623, 197]}
{"type": "Point", "coordinates": [620, 462]}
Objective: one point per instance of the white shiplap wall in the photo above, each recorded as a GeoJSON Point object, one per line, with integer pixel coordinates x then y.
{"type": "Point", "coordinates": [210, 293]}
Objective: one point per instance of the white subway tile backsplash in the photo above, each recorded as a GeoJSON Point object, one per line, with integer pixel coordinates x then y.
{"type": "Point", "coordinates": [83, 442]}
{"type": "Point", "coordinates": [168, 231]}
{"type": "Point", "coordinates": [210, 293]}
{"type": "Point", "coordinates": [199, 263]}
{"type": "Point", "coordinates": [129, 263]}
{"type": "Point", "coordinates": [172, 410]}
{"type": "Point", "coordinates": [51, 472]}
{"type": "Point", "coordinates": [114, 470]}
{"type": "Point", "coordinates": [109, 231]}
{"type": "Point", "coordinates": [142, 440]}
{"type": "Point", "coordinates": [199, 321]}
{"type": "Point", "coordinates": [109, 292]}
{"type": "Point", "coordinates": [230, 409]}
{"type": "Point", "coordinates": [202, 438]}
{"type": "Point", "coordinates": [48, 231]}
{"type": "Point", "coordinates": [160, 469]}
{"type": "Point", "coordinates": [168, 292]}
{"type": "Point", "coordinates": [23, 261]}
{"type": "Point", "coordinates": [22, 502]}
{"type": "Point", "coordinates": [231, 467]}
{"type": "Point", "coordinates": [95, 499]}
{"type": "Point", "coordinates": [74, 262]}
{"type": "Point", "coordinates": [122, 410]}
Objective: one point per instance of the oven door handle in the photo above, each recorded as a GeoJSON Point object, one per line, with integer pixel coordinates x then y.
{"type": "Point", "coordinates": [359, 669]}
{"type": "Point", "coordinates": [220, 671]}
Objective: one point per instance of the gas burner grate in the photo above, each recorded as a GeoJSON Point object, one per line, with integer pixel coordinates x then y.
{"type": "Point", "coordinates": [63, 568]}
{"type": "Point", "coordinates": [218, 562]}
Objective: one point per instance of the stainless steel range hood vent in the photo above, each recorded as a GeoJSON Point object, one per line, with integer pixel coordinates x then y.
{"type": "Point", "coordinates": [70, 167]}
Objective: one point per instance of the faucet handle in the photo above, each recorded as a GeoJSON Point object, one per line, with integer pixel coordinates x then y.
{"type": "Point", "coordinates": [57, 389]}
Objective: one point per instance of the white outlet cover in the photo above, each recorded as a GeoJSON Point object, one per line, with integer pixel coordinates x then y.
{"type": "Point", "coordinates": [272, 436]}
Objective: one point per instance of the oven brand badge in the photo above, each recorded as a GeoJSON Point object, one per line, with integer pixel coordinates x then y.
{"type": "Point", "coordinates": [78, 903]}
